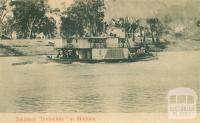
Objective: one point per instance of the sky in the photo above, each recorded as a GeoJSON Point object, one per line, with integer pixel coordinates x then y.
{"type": "Point", "coordinates": [138, 8]}
{"type": "Point", "coordinates": [133, 8]}
{"type": "Point", "coordinates": [60, 3]}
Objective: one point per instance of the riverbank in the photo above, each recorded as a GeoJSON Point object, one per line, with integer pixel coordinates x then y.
{"type": "Point", "coordinates": [26, 47]}
{"type": "Point", "coordinates": [9, 51]}
{"type": "Point", "coordinates": [183, 45]}
{"type": "Point", "coordinates": [36, 47]}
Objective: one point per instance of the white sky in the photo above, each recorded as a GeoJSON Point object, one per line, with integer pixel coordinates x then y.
{"type": "Point", "coordinates": [60, 3]}
{"type": "Point", "coordinates": [135, 8]}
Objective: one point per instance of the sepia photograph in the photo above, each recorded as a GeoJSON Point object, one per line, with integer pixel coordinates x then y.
{"type": "Point", "coordinates": [99, 61]}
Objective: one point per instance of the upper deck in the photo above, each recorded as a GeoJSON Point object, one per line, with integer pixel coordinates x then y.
{"type": "Point", "coordinates": [91, 42]}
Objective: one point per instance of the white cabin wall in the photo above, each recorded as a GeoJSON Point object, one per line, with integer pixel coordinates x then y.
{"type": "Point", "coordinates": [126, 52]}
{"type": "Point", "coordinates": [59, 43]}
{"type": "Point", "coordinates": [98, 54]}
{"type": "Point", "coordinates": [112, 42]}
{"type": "Point", "coordinates": [83, 43]}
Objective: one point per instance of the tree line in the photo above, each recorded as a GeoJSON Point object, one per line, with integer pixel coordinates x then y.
{"type": "Point", "coordinates": [83, 18]}
{"type": "Point", "coordinates": [27, 18]}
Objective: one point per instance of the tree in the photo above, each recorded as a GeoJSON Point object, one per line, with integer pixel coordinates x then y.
{"type": "Point", "coordinates": [5, 10]}
{"type": "Point", "coordinates": [9, 26]}
{"type": "Point", "coordinates": [85, 16]}
{"type": "Point", "coordinates": [119, 22]}
{"type": "Point", "coordinates": [131, 26]}
{"type": "Point", "coordinates": [47, 27]}
{"type": "Point", "coordinates": [70, 27]}
{"type": "Point", "coordinates": [156, 28]}
{"type": "Point", "coordinates": [198, 23]}
{"type": "Point", "coordinates": [29, 14]}
{"type": "Point", "coordinates": [142, 33]}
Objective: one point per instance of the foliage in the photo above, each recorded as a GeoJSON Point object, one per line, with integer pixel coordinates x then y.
{"type": "Point", "coordinates": [198, 23]}
{"type": "Point", "coordinates": [9, 26]}
{"type": "Point", "coordinates": [47, 26]}
{"type": "Point", "coordinates": [70, 27]}
{"type": "Point", "coordinates": [156, 28]}
{"type": "Point", "coordinates": [29, 14]}
{"type": "Point", "coordinates": [84, 17]}
{"type": "Point", "coordinates": [4, 11]}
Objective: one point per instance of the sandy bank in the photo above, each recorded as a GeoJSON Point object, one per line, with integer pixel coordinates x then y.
{"type": "Point", "coordinates": [26, 47]}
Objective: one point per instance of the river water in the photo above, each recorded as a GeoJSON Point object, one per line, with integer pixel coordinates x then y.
{"type": "Point", "coordinates": [139, 87]}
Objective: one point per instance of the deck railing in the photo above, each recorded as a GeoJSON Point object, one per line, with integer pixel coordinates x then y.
{"type": "Point", "coordinates": [98, 45]}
